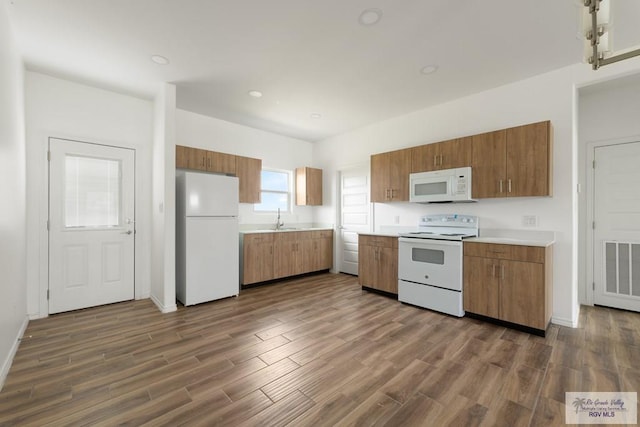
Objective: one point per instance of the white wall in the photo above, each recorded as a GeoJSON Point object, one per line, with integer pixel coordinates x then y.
{"type": "Point", "coordinates": [550, 96]}
{"type": "Point", "coordinates": [608, 112]}
{"type": "Point", "coordinates": [276, 151]}
{"type": "Point", "coordinates": [13, 291]}
{"type": "Point", "coordinates": [163, 241]}
{"type": "Point", "coordinates": [63, 109]}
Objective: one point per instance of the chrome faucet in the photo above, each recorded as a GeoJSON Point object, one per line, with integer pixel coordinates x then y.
{"type": "Point", "coordinates": [279, 224]}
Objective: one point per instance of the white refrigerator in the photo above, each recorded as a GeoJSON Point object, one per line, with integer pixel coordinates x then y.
{"type": "Point", "coordinates": [207, 241]}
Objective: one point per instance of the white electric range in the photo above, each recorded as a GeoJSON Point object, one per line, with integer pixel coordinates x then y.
{"type": "Point", "coordinates": [430, 262]}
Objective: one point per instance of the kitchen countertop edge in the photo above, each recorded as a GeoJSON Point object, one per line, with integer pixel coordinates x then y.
{"type": "Point", "coordinates": [286, 231]}
{"type": "Point", "coordinates": [510, 241]}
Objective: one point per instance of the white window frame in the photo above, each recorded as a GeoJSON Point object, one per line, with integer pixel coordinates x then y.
{"type": "Point", "coordinates": [289, 191]}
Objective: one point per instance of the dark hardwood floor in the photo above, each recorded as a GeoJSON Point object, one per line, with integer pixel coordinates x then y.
{"type": "Point", "coordinates": [309, 352]}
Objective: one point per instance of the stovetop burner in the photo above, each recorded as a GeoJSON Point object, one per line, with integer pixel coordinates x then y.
{"type": "Point", "coordinates": [445, 227]}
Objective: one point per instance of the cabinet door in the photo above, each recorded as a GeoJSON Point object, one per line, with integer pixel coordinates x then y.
{"type": "Point", "coordinates": [248, 173]}
{"type": "Point", "coordinates": [481, 292]}
{"type": "Point", "coordinates": [257, 260]}
{"type": "Point", "coordinates": [308, 186]}
{"type": "Point", "coordinates": [455, 153]}
{"type": "Point", "coordinates": [367, 258]}
{"type": "Point", "coordinates": [182, 156]}
{"type": "Point", "coordinates": [191, 158]}
{"type": "Point", "coordinates": [289, 250]}
{"type": "Point", "coordinates": [314, 187]}
{"type": "Point", "coordinates": [425, 158]}
{"type": "Point", "coordinates": [380, 177]}
{"type": "Point", "coordinates": [399, 166]}
{"type": "Point", "coordinates": [221, 163]}
{"type": "Point", "coordinates": [489, 165]}
{"type": "Point", "coordinates": [325, 258]}
{"type": "Point", "coordinates": [522, 298]}
{"type": "Point", "coordinates": [528, 160]}
{"type": "Point", "coordinates": [387, 270]}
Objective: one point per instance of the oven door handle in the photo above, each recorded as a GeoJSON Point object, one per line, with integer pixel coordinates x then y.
{"type": "Point", "coordinates": [422, 242]}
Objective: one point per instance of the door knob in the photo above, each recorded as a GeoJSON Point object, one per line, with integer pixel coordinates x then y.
{"type": "Point", "coordinates": [127, 232]}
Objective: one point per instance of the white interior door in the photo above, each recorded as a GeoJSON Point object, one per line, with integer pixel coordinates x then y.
{"type": "Point", "coordinates": [91, 225]}
{"type": "Point", "coordinates": [355, 214]}
{"type": "Point", "coordinates": [616, 246]}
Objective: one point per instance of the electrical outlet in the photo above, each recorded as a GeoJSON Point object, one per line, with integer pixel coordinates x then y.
{"type": "Point", "coordinates": [397, 219]}
{"type": "Point", "coordinates": [530, 221]}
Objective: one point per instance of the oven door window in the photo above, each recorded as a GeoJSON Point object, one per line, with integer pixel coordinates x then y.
{"type": "Point", "coordinates": [431, 188]}
{"type": "Point", "coordinates": [428, 256]}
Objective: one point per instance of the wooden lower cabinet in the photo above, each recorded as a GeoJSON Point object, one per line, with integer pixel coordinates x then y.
{"type": "Point", "coordinates": [378, 263]}
{"type": "Point", "coordinates": [257, 257]}
{"type": "Point", "coordinates": [269, 256]}
{"type": "Point", "coordinates": [511, 283]}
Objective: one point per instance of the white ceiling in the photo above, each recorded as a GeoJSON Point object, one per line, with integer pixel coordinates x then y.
{"type": "Point", "coordinates": [306, 56]}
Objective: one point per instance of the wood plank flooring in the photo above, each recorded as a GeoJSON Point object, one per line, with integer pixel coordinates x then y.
{"type": "Point", "coordinates": [311, 351]}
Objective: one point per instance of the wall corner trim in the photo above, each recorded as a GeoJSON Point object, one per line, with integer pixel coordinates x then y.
{"type": "Point", "coordinates": [164, 309]}
{"type": "Point", "coordinates": [561, 321]}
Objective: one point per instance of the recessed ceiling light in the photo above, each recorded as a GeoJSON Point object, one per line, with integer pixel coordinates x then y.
{"type": "Point", "coordinates": [370, 17]}
{"type": "Point", "coordinates": [315, 115]}
{"type": "Point", "coordinates": [255, 93]}
{"type": "Point", "coordinates": [429, 69]}
{"type": "Point", "coordinates": [159, 59]}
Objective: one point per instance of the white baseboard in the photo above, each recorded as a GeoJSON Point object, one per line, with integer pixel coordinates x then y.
{"type": "Point", "coordinates": [6, 364]}
{"type": "Point", "coordinates": [569, 323]}
{"type": "Point", "coordinates": [162, 307]}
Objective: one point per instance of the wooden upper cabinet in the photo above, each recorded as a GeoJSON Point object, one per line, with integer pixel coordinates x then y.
{"type": "Point", "coordinates": [308, 186]}
{"type": "Point", "coordinates": [221, 163]}
{"type": "Point", "coordinates": [529, 150]}
{"type": "Point", "coordinates": [488, 165]}
{"type": "Point", "coordinates": [191, 158]}
{"type": "Point", "coordinates": [455, 153]}
{"type": "Point", "coordinates": [514, 162]}
{"type": "Point", "coordinates": [379, 178]}
{"type": "Point", "coordinates": [390, 176]}
{"type": "Point", "coordinates": [245, 168]}
{"type": "Point", "coordinates": [248, 171]}
{"type": "Point", "coordinates": [424, 158]}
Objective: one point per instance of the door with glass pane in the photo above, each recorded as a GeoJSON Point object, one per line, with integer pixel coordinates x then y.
{"type": "Point", "coordinates": [616, 266]}
{"type": "Point", "coordinates": [91, 225]}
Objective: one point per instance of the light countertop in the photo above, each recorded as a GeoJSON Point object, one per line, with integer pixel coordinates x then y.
{"type": "Point", "coordinates": [285, 230]}
{"type": "Point", "coordinates": [541, 238]}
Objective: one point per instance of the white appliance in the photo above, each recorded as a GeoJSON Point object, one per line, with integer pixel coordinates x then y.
{"type": "Point", "coordinates": [207, 243]}
{"type": "Point", "coordinates": [430, 262]}
{"type": "Point", "coordinates": [447, 185]}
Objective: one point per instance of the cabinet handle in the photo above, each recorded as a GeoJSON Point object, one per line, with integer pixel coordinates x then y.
{"type": "Point", "coordinates": [502, 270]}
{"type": "Point", "coordinates": [493, 270]}
{"type": "Point", "coordinates": [509, 185]}
{"type": "Point", "coordinates": [393, 190]}
{"type": "Point", "coordinates": [435, 160]}
{"type": "Point", "coordinates": [441, 157]}
{"type": "Point", "coordinates": [501, 186]}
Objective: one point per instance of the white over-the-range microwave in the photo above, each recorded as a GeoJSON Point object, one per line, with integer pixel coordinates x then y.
{"type": "Point", "coordinates": [448, 185]}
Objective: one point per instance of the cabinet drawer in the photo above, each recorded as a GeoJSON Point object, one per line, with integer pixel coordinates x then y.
{"type": "Point", "coordinates": [322, 234]}
{"type": "Point", "coordinates": [288, 236]}
{"type": "Point", "coordinates": [258, 238]}
{"type": "Point", "coordinates": [500, 251]}
{"type": "Point", "coordinates": [378, 241]}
